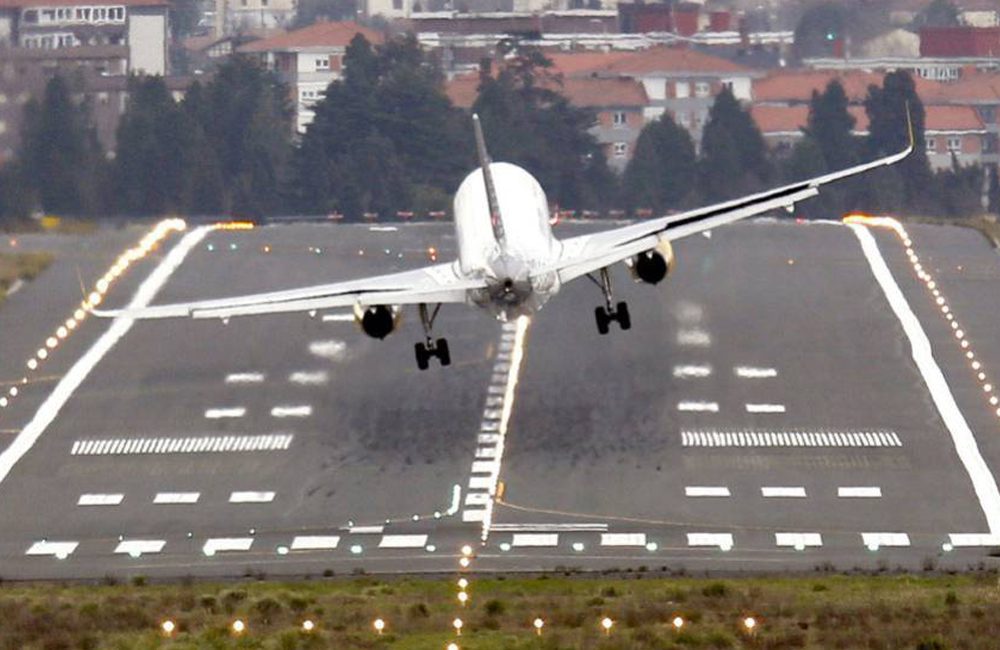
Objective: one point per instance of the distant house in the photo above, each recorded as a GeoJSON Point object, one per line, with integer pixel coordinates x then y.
{"type": "Point", "coordinates": [308, 60]}
{"type": "Point", "coordinates": [618, 103]}
{"type": "Point", "coordinates": [782, 126]}
{"type": "Point", "coordinates": [233, 16]}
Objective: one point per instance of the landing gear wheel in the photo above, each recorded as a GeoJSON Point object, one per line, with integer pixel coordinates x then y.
{"type": "Point", "coordinates": [443, 353]}
{"type": "Point", "coordinates": [603, 319]}
{"type": "Point", "coordinates": [624, 319]}
{"type": "Point", "coordinates": [423, 356]}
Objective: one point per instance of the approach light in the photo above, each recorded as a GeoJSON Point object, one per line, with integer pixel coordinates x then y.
{"type": "Point", "coordinates": [463, 598]}
{"type": "Point", "coordinates": [678, 623]}
{"type": "Point", "coordinates": [457, 624]}
{"type": "Point", "coordinates": [750, 623]}
{"type": "Point", "coordinates": [239, 627]}
{"type": "Point", "coordinates": [539, 624]}
{"type": "Point", "coordinates": [607, 624]}
{"type": "Point", "coordinates": [168, 627]}
{"type": "Point", "coordinates": [308, 626]}
{"type": "Point", "coordinates": [379, 625]}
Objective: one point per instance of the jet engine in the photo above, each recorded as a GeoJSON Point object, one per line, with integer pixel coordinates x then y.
{"type": "Point", "coordinates": [377, 322]}
{"type": "Point", "coordinates": [653, 265]}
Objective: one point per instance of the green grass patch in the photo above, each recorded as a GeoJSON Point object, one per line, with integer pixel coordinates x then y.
{"type": "Point", "coordinates": [816, 611]}
{"type": "Point", "coordinates": [21, 266]}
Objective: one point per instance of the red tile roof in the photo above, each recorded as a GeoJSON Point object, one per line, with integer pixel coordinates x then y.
{"type": "Point", "coordinates": [18, 4]}
{"type": "Point", "coordinates": [671, 60]}
{"type": "Point", "coordinates": [952, 118]}
{"type": "Point", "coordinates": [798, 85]}
{"type": "Point", "coordinates": [784, 119]}
{"type": "Point", "coordinates": [322, 34]}
{"type": "Point", "coordinates": [584, 92]}
{"type": "Point", "coordinates": [972, 87]}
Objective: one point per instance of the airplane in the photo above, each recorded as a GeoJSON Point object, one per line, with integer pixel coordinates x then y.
{"type": "Point", "coordinates": [509, 263]}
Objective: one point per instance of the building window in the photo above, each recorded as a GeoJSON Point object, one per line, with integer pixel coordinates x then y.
{"type": "Point", "coordinates": [621, 149]}
{"type": "Point", "coordinates": [618, 118]}
{"type": "Point", "coordinates": [323, 64]}
{"type": "Point", "coordinates": [702, 89]}
{"type": "Point", "coordinates": [931, 145]}
{"type": "Point", "coordinates": [30, 16]}
{"type": "Point", "coordinates": [954, 144]}
{"type": "Point", "coordinates": [682, 89]}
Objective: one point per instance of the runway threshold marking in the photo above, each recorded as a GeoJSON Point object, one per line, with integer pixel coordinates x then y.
{"type": "Point", "coordinates": [983, 481]}
{"type": "Point", "coordinates": [72, 380]}
{"type": "Point", "coordinates": [973, 539]}
{"type": "Point", "coordinates": [755, 438]}
{"type": "Point", "coordinates": [535, 540]}
{"type": "Point", "coordinates": [623, 539]}
{"type": "Point", "coordinates": [403, 541]}
{"type": "Point", "coordinates": [182, 445]}
{"type": "Point", "coordinates": [315, 542]}
{"type": "Point", "coordinates": [226, 545]}
{"type": "Point", "coordinates": [798, 541]}
{"type": "Point", "coordinates": [59, 550]}
{"type": "Point", "coordinates": [724, 541]}
{"type": "Point", "coordinates": [139, 547]}
{"type": "Point", "coordinates": [874, 541]}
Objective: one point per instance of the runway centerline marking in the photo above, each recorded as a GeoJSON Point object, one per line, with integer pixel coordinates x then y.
{"type": "Point", "coordinates": [859, 492]}
{"type": "Point", "coordinates": [535, 540]}
{"type": "Point", "coordinates": [783, 492]}
{"type": "Point", "coordinates": [176, 498]}
{"type": "Point", "coordinates": [309, 378]}
{"type": "Point", "coordinates": [698, 338]}
{"type": "Point", "coordinates": [722, 540]}
{"type": "Point", "coordinates": [245, 378]}
{"type": "Point", "coordinates": [873, 541]}
{"type": "Point", "coordinates": [685, 372]}
{"type": "Point", "coordinates": [749, 372]}
{"type": "Point", "coordinates": [71, 381]}
{"type": "Point", "coordinates": [302, 411]}
{"type": "Point", "coordinates": [623, 539]}
{"type": "Point", "coordinates": [225, 413]}
{"type": "Point", "coordinates": [251, 497]}
{"type": "Point", "coordinates": [100, 499]}
{"type": "Point", "coordinates": [798, 541]}
{"type": "Point", "coordinates": [765, 408]}
{"type": "Point", "coordinates": [706, 491]}
{"type": "Point", "coordinates": [711, 407]}
{"type": "Point", "coordinates": [983, 482]}
{"type": "Point", "coordinates": [334, 350]}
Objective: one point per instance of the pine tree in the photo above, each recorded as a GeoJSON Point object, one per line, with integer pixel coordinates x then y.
{"type": "Point", "coordinates": [733, 154]}
{"type": "Point", "coordinates": [663, 170]}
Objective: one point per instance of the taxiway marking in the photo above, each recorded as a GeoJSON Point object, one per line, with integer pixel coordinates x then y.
{"type": "Point", "coordinates": [302, 411]}
{"type": "Point", "coordinates": [983, 481]}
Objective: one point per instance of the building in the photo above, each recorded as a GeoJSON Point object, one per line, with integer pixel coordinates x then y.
{"type": "Point", "coordinates": [677, 80]}
{"type": "Point", "coordinates": [232, 16]}
{"type": "Point", "coordinates": [309, 60]}
{"type": "Point", "coordinates": [791, 87]}
{"type": "Point", "coordinates": [618, 104]}
{"type": "Point", "coordinates": [960, 42]}
{"type": "Point", "coordinates": [782, 126]}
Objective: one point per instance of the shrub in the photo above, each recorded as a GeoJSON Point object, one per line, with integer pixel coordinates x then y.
{"type": "Point", "coordinates": [715, 590]}
{"type": "Point", "coordinates": [495, 607]}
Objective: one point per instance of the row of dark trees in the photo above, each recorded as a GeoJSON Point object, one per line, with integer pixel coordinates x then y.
{"type": "Point", "coordinates": [386, 138]}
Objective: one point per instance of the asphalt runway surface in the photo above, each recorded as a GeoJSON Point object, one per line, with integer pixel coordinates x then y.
{"type": "Point", "coordinates": [766, 411]}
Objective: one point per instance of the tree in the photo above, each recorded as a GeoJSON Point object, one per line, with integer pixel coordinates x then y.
{"type": "Point", "coordinates": [663, 171]}
{"type": "Point", "coordinates": [819, 28]}
{"type": "Point", "coordinates": [60, 160]}
{"type": "Point", "coordinates": [939, 13]}
{"type": "Point", "coordinates": [733, 154]}
{"type": "Point", "coordinates": [805, 161]}
{"type": "Point", "coordinates": [14, 199]}
{"type": "Point", "coordinates": [830, 128]}
{"type": "Point", "coordinates": [959, 190]}
{"type": "Point", "coordinates": [888, 134]}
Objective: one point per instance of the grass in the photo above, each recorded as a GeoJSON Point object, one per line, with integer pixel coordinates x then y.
{"type": "Point", "coordinates": [21, 266]}
{"type": "Point", "coordinates": [986, 225]}
{"type": "Point", "coordinates": [820, 611]}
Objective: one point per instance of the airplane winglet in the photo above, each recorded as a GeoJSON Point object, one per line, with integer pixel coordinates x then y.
{"type": "Point", "coordinates": [909, 129]}
{"type": "Point", "coordinates": [491, 193]}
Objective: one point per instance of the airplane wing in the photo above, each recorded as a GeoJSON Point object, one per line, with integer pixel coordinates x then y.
{"type": "Point", "coordinates": [439, 283]}
{"type": "Point", "coordinates": [589, 253]}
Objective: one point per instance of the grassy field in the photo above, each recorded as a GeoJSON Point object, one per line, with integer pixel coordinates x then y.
{"type": "Point", "coordinates": [20, 266]}
{"type": "Point", "coordinates": [822, 611]}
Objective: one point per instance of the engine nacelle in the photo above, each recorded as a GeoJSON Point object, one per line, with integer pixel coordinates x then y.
{"type": "Point", "coordinates": [377, 322]}
{"type": "Point", "coordinates": [653, 265]}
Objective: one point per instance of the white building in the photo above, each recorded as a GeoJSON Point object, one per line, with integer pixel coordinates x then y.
{"type": "Point", "coordinates": [241, 15]}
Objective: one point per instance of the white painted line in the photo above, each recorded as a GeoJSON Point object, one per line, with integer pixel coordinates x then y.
{"type": "Point", "coordinates": [748, 372]}
{"type": "Point", "coordinates": [192, 445]}
{"type": "Point", "coordinates": [535, 540]}
{"type": "Point", "coordinates": [722, 540]}
{"type": "Point", "coordinates": [550, 528]}
{"type": "Point", "coordinates": [693, 338]}
{"type": "Point", "coordinates": [61, 550]}
{"type": "Point", "coordinates": [382, 229]}
{"type": "Point", "coordinates": [245, 378]}
{"type": "Point", "coordinates": [473, 516]}
{"type": "Point", "coordinates": [223, 413]}
{"type": "Point", "coordinates": [309, 378]}
{"type": "Point", "coordinates": [338, 318]}
{"type": "Point", "coordinates": [765, 408]}
{"type": "Point", "coordinates": [974, 539]}
{"type": "Point", "coordinates": [875, 540]}
{"type": "Point", "coordinates": [485, 467]}
{"type": "Point", "coordinates": [100, 499]}
{"type": "Point", "coordinates": [623, 539]}
{"type": "Point", "coordinates": [139, 547]}
{"type": "Point", "coordinates": [983, 481]}
{"type": "Point", "coordinates": [477, 498]}
{"type": "Point", "coordinates": [291, 411]}
{"type": "Point", "coordinates": [757, 438]}
{"type": "Point", "coordinates": [226, 544]}
{"type": "Point", "coordinates": [50, 408]}
{"type": "Point", "coordinates": [456, 500]}
{"type": "Point", "coordinates": [403, 541]}
{"type": "Point", "coordinates": [366, 530]}
{"type": "Point", "coordinates": [333, 350]}
{"type": "Point", "coordinates": [783, 492]}
{"type": "Point", "coordinates": [711, 407]}
{"type": "Point", "coordinates": [251, 497]}
{"type": "Point", "coordinates": [488, 438]}
{"type": "Point", "coordinates": [685, 372]}
{"type": "Point", "coordinates": [175, 498]}
{"type": "Point", "coordinates": [315, 542]}
{"type": "Point", "coordinates": [480, 482]}
{"type": "Point", "coordinates": [486, 452]}
{"type": "Point", "coordinates": [705, 491]}
{"type": "Point", "coordinates": [859, 492]}
{"type": "Point", "coordinates": [798, 540]}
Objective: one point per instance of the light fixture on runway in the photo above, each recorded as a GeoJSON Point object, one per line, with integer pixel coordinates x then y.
{"type": "Point", "coordinates": [678, 623]}
{"type": "Point", "coordinates": [238, 627]}
{"type": "Point", "coordinates": [168, 627]}
{"type": "Point", "coordinates": [379, 625]}
{"type": "Point", "coordinates": [308, 626]}
{"type": "Point", "coordinates": [750, 624]}
{"type": "Point", "coordinates": [457, 624]}
{"type": "Point", "coordinates": [539, 624]}
{"type": "Point", "coordinates": [607, 624]}
{"type": "Point", "coordinates": [463, 598]}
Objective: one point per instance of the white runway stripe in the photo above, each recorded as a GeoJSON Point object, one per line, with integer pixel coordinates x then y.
{"type": "Point", "coordinates": [874, 541]}
{"type": "Point", "coordinates": [706, 491]}
{"type": "Point", "coordinates": [798, 540]}
{"type": "Point", "coordinates": [783, 492]}
{"type": "Point", "coordinates": [535, 540]}
{"type": "Point", "coordinates": [366, 530]}
{"type": "Point", "coordinates": [191, 445]}
{"type": "Point", "coordinates": [694, 338]}
{"type": "Point", "coordinates": [549, 528]}
{"type": "Point", "coordinates": [758, 438]}
{"type": "Point", "coordinates": [859, 492]}
{"type": "Point", "coordinates": [722, 540]}
{"type": "Point", "coordinates": [712, 407]}
{"type": "Point", "coordinates": [685, 372]}
{"type": "Point", "coordinates": [100, 499]}
{"type": "Point", "coordinates": [60, 550]}
{"type": "Point", "coordinates": [748, 372]}
{"type": "Point", "coordinates": [251, 497]}
{"type": "Point", "coordinates": [139, 547]}
{"type": "Point", "coordinates": [245, 378]}
{"type": "Point", "coordinates": [333, 350]}
{"type": "Point", "coordinates": [338, 318]}
{"type": "Point", "coordinates": [973, 539]}
{"type": "Point", "coordinates": [226, 544]}
{"type": "Point", "coordinates": [315, 542]}
{"type": "Point", "coordinates": [303, 411]}
{"type": "Point", "coordinates": [403, 541]}
{"type": "Point", "coordinates": [623, 539]}
{"type": "Point", "coordinates": [765, 408]}
{"type": "Point", "coordinates": [175, 498]}
{"type": "Point", "coordinates": [222, 413]}
{"type": "Point", "coordinates": [306, 378]}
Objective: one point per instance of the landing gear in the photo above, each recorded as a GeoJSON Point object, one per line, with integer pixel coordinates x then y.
{"type": "Point", "coordinates": [609, 312]}
{"type": "Point", "coordinates": [430, 347]}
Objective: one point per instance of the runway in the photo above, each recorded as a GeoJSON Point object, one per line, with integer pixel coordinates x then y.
{"type": "Point", "coordinates": [773, 407]}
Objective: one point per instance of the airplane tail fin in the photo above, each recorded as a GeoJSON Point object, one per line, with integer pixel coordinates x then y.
{"type": "Point", "coordinates": [491, 192]}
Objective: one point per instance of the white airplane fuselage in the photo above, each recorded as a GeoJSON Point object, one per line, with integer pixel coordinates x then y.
{"type": "Point", "coordinates": [511, 264]}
